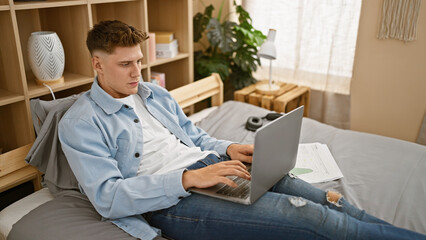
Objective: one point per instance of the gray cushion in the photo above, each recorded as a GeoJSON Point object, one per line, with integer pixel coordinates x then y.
{"type": "Point", "coordinates": [68, 216]}
{"type": "Point", "coordinates": [46, 153]}
{"type": "Point", "coordinates": [41, 108]}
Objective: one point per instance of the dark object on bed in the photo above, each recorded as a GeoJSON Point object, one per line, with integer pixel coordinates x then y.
{"type": "Point", "coordinates": [254, 122]}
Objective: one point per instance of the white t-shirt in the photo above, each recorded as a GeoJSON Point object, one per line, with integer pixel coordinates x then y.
{"type": "Point", "coordinates": [162, 151]}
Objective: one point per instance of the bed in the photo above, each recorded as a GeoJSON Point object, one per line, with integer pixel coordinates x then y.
{"type": "Point", "coordinates": [384, 176]}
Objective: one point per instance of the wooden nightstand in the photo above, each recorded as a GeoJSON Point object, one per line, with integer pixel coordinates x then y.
{"type": "Point", "coordinates": [289, 97]}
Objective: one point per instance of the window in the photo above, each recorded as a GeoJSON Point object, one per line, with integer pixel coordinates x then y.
{"type": "Point", "coordinates": [315, 40]}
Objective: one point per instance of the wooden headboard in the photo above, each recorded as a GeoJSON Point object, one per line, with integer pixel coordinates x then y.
{"type": "Point", "coordinates": [15, 171]}
{"type": "Point", "coordinates": [192, 93]}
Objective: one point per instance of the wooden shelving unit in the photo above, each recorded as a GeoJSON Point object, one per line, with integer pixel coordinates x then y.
{"type": "Point", "coordinates": [71, 19]}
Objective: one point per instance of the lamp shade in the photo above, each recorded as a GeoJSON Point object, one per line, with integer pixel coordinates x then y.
{"type": "Point", "coordinates": [267, 50]}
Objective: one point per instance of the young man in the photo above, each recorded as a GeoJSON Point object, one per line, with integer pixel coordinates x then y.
{"type": "Point", "coordinates": [135, 155]}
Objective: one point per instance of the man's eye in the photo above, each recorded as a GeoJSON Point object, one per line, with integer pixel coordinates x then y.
{"type": "Point", "coordinates": [124, 64]}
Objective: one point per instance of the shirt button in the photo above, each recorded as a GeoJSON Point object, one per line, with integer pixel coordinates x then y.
{"type": "Point", "coordinates": [137, 155]}
{"type": "Point", "coordinates": [136, 120]}
{"type": "Point", "coordinates": [126, 106]}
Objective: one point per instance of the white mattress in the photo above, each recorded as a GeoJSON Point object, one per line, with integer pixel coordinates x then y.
{"type": "Point", "coordinates": [12, 213]}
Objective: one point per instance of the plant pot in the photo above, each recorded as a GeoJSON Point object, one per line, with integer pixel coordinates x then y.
{"type": "Point", "coordinates": [46, 56]}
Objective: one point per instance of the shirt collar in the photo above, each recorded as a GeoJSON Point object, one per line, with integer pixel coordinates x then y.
{"type": "Point", "coordinates": [111, 105]}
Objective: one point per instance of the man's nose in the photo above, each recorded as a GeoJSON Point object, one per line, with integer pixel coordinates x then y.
{"type": "Point", "coordinates": [136, 70]}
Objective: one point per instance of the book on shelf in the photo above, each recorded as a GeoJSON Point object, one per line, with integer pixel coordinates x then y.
{"type": "Point", "coordinates": [164, 37]}
{"type": "Point", "coordinates": [166, 50]}
{"type": "Point", "coordinates": [167, 46]}
{"type": "Point", "coordinates": [166, 53]}
{"type": "Point", "coordinates": [158, 78]}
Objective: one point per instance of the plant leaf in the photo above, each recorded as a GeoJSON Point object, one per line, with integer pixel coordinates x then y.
{"type": "Point", "coordinates": [252, 37]}
{"type": "Point", "coordinates": [206, 65]}
{"type": "Point", "coordinates": [243, 16]}
{"type": "Point", "coordinates": [200, 21]}
{"type": "Point", "coordinates": [233, 47]}
{"type": "Point", "coordinates": [222, 35]}
{"type": "Point", "coordinates": [246, 58]}
{"type": "Point", "coordinates": [240, 78]}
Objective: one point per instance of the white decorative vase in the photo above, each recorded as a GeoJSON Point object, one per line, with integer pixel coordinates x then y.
{"type": "Point", "coordinates": [47, 57]}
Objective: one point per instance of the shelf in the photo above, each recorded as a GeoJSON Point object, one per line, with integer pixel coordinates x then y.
{"type": "Point", "coordinates": [78, 69]}
{"type": "Point", "coordinates": [10, 77]}
{"type": "Point", "coordinates": [173, 70]}
{"type": "Point", "coordinates": [4, 2]}
{"type": "Point", "coordinates": [71, 20]}
{"type": "Point", "coordinates": [14, 126]}
{"type": "Point", "coordinates": [130, 12]}
{"type": "Point", "coordinates": [109, 1]}
{"type": "Point", "coordinates": [46, 4]}
{"type": "Point", "coordinates": [160, 61]}
{"type": "Point", "coordinates": [7, 97]}
{"type": "Point", "coordinates": [71, 80]}
{"type": "Point", "coordinates": [162, 17]}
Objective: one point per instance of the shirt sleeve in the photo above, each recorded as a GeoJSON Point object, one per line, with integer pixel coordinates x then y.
{"type": "Point", "coordinates": [100, 178]}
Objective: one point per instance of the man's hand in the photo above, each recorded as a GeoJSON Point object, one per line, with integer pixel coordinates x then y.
{"type": "Point", "coordinates": [214, 174]}
{"type": "Point", "coordinates": [242, 152]}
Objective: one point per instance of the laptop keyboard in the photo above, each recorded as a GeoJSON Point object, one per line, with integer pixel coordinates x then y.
{"type": "Point", "coordinates": [241, 191]}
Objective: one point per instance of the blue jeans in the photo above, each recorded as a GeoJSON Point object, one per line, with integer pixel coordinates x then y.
{"type": "Point", "coordinates": [292, 209]}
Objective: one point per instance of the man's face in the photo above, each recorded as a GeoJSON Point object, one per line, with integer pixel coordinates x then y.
{"type": "Point", "coordinates": [119, 72]}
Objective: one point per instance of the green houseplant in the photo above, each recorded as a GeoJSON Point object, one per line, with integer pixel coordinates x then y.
{"type": "Point", "coordinates": [232, 47]}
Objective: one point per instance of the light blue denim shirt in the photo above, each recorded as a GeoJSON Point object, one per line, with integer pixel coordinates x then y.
{"type": "Point", "coordinates": [103, 142]}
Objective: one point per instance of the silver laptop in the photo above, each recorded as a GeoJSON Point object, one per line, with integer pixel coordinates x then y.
{"type": "Point", "coordinates": [275, 154]}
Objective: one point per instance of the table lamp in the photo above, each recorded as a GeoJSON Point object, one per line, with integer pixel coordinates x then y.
{"type": "Point", "coordinates": [268, 51]}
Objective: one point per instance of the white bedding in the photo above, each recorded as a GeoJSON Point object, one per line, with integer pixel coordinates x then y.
{"type": "Point", "coordinates": [12, 213]}
{"type": "Point", "coordinates": [383, 176]}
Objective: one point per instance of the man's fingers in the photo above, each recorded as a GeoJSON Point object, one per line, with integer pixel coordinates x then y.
{"type": "Point", "coordinates": [228, 182]}
{"type": "Point", "coordinates": [234, 162]}
{"type": "Point", "coordinates": [245, 158]}
{"type": "Point", "coordinates": [235, 170]}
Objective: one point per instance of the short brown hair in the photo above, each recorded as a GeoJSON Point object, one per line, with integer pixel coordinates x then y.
{"type": "Point", "coordinates": [107, 35]}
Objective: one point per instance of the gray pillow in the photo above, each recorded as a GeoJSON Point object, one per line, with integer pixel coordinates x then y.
{"type": "Point", "coordinates": [46, 153]}
{"type": "Point", "coordinates": [41, 108]}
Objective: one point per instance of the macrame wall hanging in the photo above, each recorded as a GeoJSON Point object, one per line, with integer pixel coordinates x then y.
{"type": "Point", "coordinates": [399, 19]}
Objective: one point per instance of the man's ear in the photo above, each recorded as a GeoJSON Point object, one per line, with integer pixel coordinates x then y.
{"type": "Point", "coordinates": [97, 64]}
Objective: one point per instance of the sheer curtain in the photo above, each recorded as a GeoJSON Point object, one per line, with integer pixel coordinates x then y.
{"type": "Point", "coordinates": [315, 44]}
